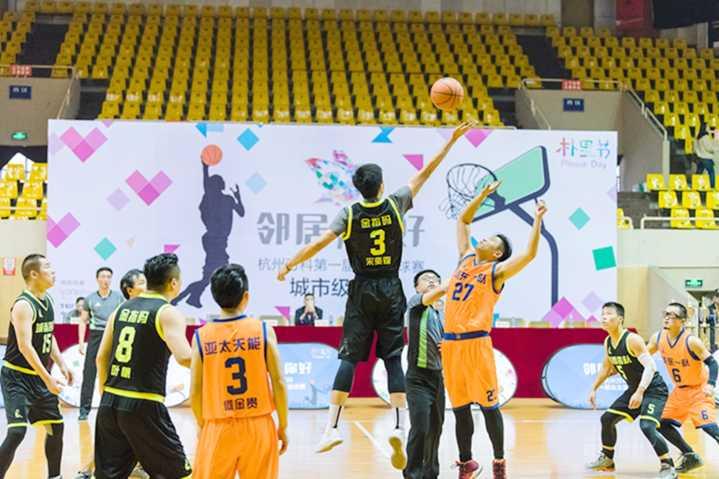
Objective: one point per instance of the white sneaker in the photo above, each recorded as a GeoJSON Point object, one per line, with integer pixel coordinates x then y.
{"type": "Point", "coordinates": [330, 439]}
{"type": "Point", "coordinates": [399, 456]}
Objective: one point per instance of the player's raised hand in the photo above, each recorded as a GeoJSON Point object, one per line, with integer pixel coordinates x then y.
{"type": "Point", "coordinates": [282, 436]}
{"type": "Point", "coordinates": [491, 188]}
{"type": "Point", "coordinates": [540, 210]}
{"type": "Point", "coordinates": [463, 128]}
{"type": "Point", "coordinates": [283, 272]}
{"type": "Point", "coordinates": [593, 399]}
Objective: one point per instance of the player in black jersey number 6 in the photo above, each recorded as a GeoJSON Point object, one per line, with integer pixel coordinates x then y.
{"type": "Point", "coordinates": [627, 355]}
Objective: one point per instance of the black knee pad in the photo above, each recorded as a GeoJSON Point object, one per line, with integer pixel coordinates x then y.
{"type": "Point", "coordinates": [609, 419]}
{"type": "Point", "coordinates": [345, 376]}
{"type": "Point", "coordinates": [395, 375]}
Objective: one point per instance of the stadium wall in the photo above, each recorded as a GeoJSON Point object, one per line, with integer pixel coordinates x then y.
{"type": "Point", "coordinates": [46, 100]}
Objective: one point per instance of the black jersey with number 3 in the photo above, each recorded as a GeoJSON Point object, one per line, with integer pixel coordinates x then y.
{"type": "Point", "coordinates": [626, 364]}
{"type": "Point", "coordinates": [374, 238]}
{"type": "Point", "coordinates": [43, 323]}
{"type": "Point", "coordinates": [139, 357]}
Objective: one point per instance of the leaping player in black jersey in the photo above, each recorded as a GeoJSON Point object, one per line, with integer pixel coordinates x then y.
{"type": "Point", "coordinates": [626, 354]}
{"type": "Point", "coordinates": [372, 232]}
{"type": "Point", "coordinates": [29, 391]}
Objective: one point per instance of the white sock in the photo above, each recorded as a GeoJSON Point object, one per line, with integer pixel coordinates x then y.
{"type": "Point", "coordinates": [334, 416]}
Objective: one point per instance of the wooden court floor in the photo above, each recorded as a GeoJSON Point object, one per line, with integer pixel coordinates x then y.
{"type": "Point", "coordinates": [542, 440]}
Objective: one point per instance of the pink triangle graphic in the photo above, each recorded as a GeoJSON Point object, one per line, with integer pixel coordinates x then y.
{"type": "Point", "coordinates": [171, 248]}
{"type": "Point", "coordinates": [284, 311]}
{"type": "Point", "coordinates": [415, 160]}
{"type": "Point", "coordinates": [477, 136]}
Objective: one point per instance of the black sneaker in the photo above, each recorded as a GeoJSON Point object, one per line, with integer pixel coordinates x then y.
{"type": "Point", "coordinates": [689, 462]}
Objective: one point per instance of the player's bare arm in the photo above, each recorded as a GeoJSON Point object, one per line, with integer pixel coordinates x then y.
{"type": "Point", "coordinates": [83, 322]}
{"type": "Point", "coordinates": [57, 358]}
{"type": "Point", "coordinates": [431, 297]}
{"type": "Point", "coordinates": [606, 372]}
{"type": "Point", "coordinates": [417, 181]}
{"type": "Point", "coordinates": [22, 319]}
{"type": "Point", "coordinates": [104, 353]}
{"type": "Point", "coordinates": [697, 347]}
{"type": "Point", "coordinates": [638, 348]}
{"type": "Point", "coordinates": [652, 345]}
{"type": "Point", "coordinates": [306, 253]}
{"type": "Point", "coordinates": [173, 323]}
{"type": "Point", "coordinates": [514, 265]}
{"type": "Point", "coordinates": [465, 218]}
{"type": "Point", "coordinates": [279, 389]}
{"type": "Point", "coordinates": [196, 383]}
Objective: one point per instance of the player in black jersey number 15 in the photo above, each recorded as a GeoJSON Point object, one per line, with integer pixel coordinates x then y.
{"type": "Point", "coordinates": [626, 354]}
{"type": "Point", "coordinates": [29, 391]}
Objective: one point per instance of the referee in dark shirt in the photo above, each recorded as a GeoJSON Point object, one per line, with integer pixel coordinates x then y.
{"type": "Point", "coordinates": [424, 384]}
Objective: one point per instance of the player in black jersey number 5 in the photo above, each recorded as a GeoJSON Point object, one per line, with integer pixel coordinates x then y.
{"type": "Point", "coordinates": [133, 423]}
{"type": "Point", "coordinates": [29, 391]}
{"type": "Point", "coordinates": [372, 232]}
{"type": "Point", "coordinates": [627, 355]}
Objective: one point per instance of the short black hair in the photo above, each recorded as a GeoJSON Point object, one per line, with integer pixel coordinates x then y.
{"type": "Point", "coordinates": [418, 275]}
{"type": "Point", "coordinates": [228, 285]}
{"type": "Point", "coordinates": [31, 263]}
{"type": "Point", "coordinates": [716, 293]}
{"type": "Point", "coordinates": [128, 281]}
{"type": "Point", "coordinates": [682, 309]}
{"type": "Point", "coordinates": [368, 180]}
{"type": "Point", "coordinates": [101, 269]}
{"type": "Point", "coordinates": [160, 270]}
{"type": "Point", "coordinates": [307, 295]}
{"type": "Point", "coordinates": [78, 299]}
{"type": "Point", "coordinates": [506, 248]}
{"type": "Point", "coordinates": [618, 308]}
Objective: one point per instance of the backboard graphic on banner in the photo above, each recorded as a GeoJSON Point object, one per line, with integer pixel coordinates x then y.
{"type": "Point", "coordinates": [124, 191]}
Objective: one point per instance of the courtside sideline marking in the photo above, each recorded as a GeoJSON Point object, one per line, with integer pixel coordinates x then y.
{"type": "Point", "coordinates": [372, 439]}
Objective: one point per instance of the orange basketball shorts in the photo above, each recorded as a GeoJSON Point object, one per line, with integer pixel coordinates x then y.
{"type": "Point", "coordinates": [470, 375]}
{"type": "Point", "coordinates": [248, 446]}
{"type": "Point", "coordinates": [690, 403]}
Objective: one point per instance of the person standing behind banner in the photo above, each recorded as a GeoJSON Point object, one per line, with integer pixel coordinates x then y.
{"type": "Point", "coordinates": [100, 304]}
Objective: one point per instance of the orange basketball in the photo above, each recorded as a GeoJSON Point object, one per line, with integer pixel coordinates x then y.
{"type": "Point", "coordinates": [447, 94]}
{"type": "Point", "coordinates": [211, 155]}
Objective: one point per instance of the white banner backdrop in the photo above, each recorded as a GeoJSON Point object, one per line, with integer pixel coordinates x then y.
{"type": "Point", "coordinates": [123, 191]}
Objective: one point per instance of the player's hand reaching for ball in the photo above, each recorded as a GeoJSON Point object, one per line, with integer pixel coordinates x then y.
{"type": "Point", "coordinates": [593, 399]}
{"type": "Point", "coordinates": [283, 272]}
{"type": "Point", "coordinates": [463, 128]}
{"type": "Point", "coordinates": [282, 436]}
{"type": "Point", "coordinates": [236, 193]}
{"type": "Point", "coordinates": [491, 188]}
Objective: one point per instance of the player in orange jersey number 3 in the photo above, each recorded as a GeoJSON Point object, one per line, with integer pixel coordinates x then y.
{"type": "Point", "coordinates": [467, 353]}
{"type": "Point", "coordinates": [234, 360]}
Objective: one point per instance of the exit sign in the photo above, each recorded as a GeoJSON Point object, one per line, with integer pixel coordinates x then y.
{"type": "Point", "coordinates": [18, 136]}
{"type": "Point", "coordinates": [693, 283]}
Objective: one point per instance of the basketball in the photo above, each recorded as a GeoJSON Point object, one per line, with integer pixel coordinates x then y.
{"type": "Point", "coordinates": [447, 94]}
{"type": "Point", "coordinates": [211, 155]}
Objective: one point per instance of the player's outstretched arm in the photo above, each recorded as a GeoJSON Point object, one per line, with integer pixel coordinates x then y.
{"type": "Point", "coordinates": [417, 181]}
{"type": "Point", "coordinates": [431, 297]}
{"type": "Point", "coordinates": [102, 361]}
{"type": "Point", "coordinates": [306, 253]}
{"type": "Point", "coordinates": [22, 318]}
{"type": "Point", "coordinates": [279, 389]}
{"type": "Point", "coordinates": [512, 266]}
{"type": "Point", "coordinates": [465, 218]}
{"type": "Point", "coordinates": [196, 383]}
{"type": "Point", "coordinates": [652, 345]}
{"type": "Point", "coordinates": [173, 326]}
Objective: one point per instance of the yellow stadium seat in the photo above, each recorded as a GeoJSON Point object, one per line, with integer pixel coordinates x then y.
{"type": "Point", "coordinates": [4, 207]}
{"type": "Point", "coordinates": [38, 172]}
{"type": "Point", "coordinates": [678, 182]}
{"type": "Point", "coordinates": [705, 219]}
{"type": "Point", "coordinates": [713, 200]}
{"type": "Point", "coordinates": [701, 182]}
{"type": "Point", "coordinates": [623, 222]}
{"type": "Point", "coordinates": [14, 172]}
{"type": "Point", "coordinates": [26, 208]}
{"type": "Point", "coordinates": [680, 218]}
{"type": "Point", "coordinates": [691, 200]}
{"type": "Point", "coordinates": [32, 190]}
{"type": "Point", "coordinates": [668, 199]}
